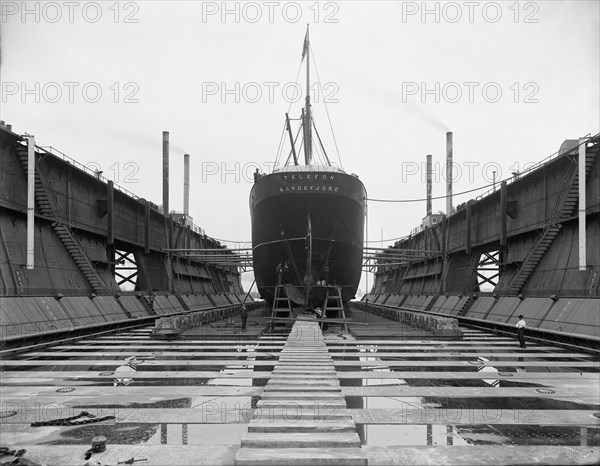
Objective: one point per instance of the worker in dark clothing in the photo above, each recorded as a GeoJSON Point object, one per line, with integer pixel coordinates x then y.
{"type": "Point", "coordinates": [286, 272]}
{"type": "Point", "coordinates": [324, 275]}
{"type": "Point", "coordinates": [521, 325]}
{"type": "Point", "coordinates": [279, 273]}
{"type": "Point", "coordinates": [244, 317]}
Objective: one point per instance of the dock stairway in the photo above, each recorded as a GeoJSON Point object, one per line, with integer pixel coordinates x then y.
{"type": "Point", "coordinates": [63, 232]}
{"type": "Point", "coordinates": [564, 211]}
{"type": "Point", "coordinates": [302, 416]}
{"type": "Point", "coordinates": [333, 306]}
{"type": "Point", "coordinates": [282, 307]}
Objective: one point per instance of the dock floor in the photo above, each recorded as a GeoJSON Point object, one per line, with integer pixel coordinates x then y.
{"type": "Point", "coordinates": [222, 396]}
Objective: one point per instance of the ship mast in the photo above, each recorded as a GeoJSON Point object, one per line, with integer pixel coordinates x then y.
{"type": "Point", "coordinates": [307, 123]}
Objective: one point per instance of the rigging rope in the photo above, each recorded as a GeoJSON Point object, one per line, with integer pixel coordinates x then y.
{"type": "Point", "coordinates": [435, 197]}
{"type": "Point", "coordinates": [280, 147]}
{"type": "Point", "coordinates": [326, 109]}
{"type": "Point", "coordinates": [281, 139]}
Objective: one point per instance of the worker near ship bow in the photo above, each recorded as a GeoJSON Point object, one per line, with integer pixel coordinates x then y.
{"type": "Point", "coordinates": [286, 272]}
{"type": "Point", "coordinates": [279, 273]}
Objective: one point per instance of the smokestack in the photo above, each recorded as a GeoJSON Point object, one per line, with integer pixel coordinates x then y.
{"type": "Point", "coordinates": [186, 184]}
{"type": "Point", "coordinates": [166, 172]}
{"type": "Point", "coordinates": [429, 185]}
{"type": "Point", "coordinates": [448, 173]}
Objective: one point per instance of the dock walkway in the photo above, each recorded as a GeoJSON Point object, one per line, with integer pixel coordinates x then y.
{"type": "Point", "coordinates": [302, 417]}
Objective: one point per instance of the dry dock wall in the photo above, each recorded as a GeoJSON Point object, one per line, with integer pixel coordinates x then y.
{"type": "Point", "coordinates": [560, 315]}
{"type": "Point", "coordinates": [43, 315]}
{"type": "Point", "coordinates": [526, 231]}
{"type": "Point", "coordinates": [89, 233]}
{"type": "Point", "coordinates": [512, 251]}
{"type": "Point", "coordinates": [440, 326]}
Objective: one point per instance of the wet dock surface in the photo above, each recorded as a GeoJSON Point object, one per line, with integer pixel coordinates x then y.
{"type": "Point", "coordinates": [397, 395]}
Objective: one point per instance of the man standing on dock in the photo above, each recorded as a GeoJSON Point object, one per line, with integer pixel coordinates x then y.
{"type": "Point", "coordinates": [521, 331]}
{"type": "Point", "coordinates": [244, 317]}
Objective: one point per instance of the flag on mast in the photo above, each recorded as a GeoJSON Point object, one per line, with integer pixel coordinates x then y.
{"type": "Point", "coordinates": [305, 46]}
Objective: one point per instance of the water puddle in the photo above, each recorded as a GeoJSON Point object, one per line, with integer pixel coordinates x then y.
{"type": "Point", "coordinates": [445, 433]}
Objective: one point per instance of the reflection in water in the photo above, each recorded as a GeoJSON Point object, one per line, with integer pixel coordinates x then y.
{"type": "Point", "coordinates": [231, 369]}
{"type": "Point", "coordinates": [226, 417]}
{"type": "Point", "coordinates": [413, 434]}
{"type": "Point", "coordinates": [129, 368]}
{"type": "Point", "coordinates": [491, 369]}
{"type": "Point", "coordinates": [399, 434]}
{"type": "Point", "coordinates": [445, 433]}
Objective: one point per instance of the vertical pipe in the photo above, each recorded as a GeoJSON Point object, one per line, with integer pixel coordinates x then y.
{"type": "Point", "coordinates": [186, 184]}
{"type": "Point", "coordinates": [110, 207]}
{"type": "Point", "coordinates": [448, 173]}
{"type": "Point", "coordinates": [468, 208]}
{"type": "Point", "coordinates": [368, 261]}
{"type": "Point", "coordinates": [69, 194]}
{"type": "Point", "coordinates": [168, 224]}
{"type": "Point", "coordinates": [169, 245]}
{"type": "Point", "coordinates": [165, 151]}
{"type": "Point", "coordinates": [171, 239]}
{"type": "Point", "coordinates": [429, 184]}
{"type": "Point", "coordinates": [30, 201]}
{"type": "Point", "coordinates": [147, 227]}
{"type": "Point", "coordinates": [110, 227]}
{"type": "Point", "coordinates": [444, 235]}
{"type": "Point", "coordinates": [582, 205]}
{"type": "Point", "coordinates": [545, 196]}
{"type": "Point", "coordinates": [503, 214]}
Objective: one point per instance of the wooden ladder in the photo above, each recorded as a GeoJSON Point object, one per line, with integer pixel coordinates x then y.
{"type": "Point", "coordinates": [277, 310]}
{"type": "Point", "coordinates": [333, 302]}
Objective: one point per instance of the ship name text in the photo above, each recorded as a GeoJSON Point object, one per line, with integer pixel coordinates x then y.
{"type": "Point", "coordinates": [320, 182]}
{"type": "Point", "coordinates": [333, 189]}
{"type": "Point", "coordinates": [310, 176]}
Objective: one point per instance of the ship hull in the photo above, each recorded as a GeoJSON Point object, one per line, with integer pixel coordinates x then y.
{"type": "Point", "coordinates": [285, 207]}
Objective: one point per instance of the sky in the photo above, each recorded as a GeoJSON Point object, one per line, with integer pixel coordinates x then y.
{"type": "Point", "coordinates": [101, 81]}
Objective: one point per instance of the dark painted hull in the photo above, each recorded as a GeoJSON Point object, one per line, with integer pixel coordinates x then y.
{"type": "Point", "coordinates": [280, 206]}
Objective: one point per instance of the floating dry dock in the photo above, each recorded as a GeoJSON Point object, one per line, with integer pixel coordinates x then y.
{"type": "Point", "coordinates": [427, 371]}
